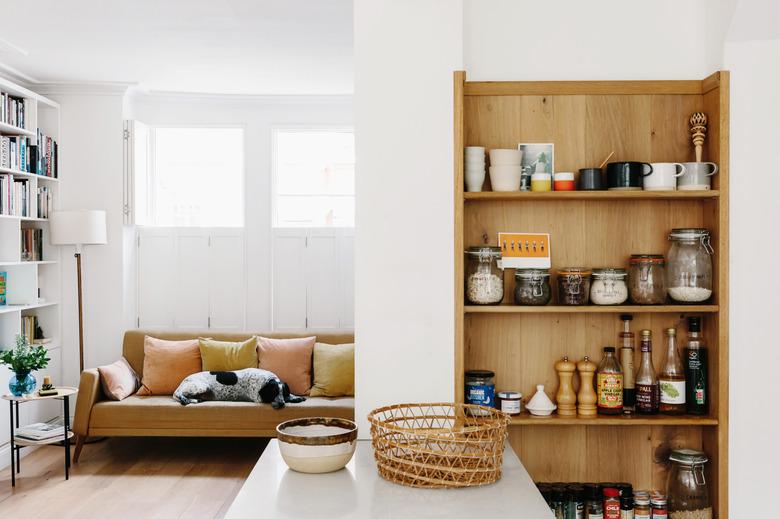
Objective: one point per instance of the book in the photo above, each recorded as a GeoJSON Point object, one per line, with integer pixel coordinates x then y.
{"type": "Point", "coordinates": [40, 431]}
{"type": "Point", "coordinates": [3, 278]}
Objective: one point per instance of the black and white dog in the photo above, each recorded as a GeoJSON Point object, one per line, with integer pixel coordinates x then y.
{"type": "Point", "coordinates": [244, 385]}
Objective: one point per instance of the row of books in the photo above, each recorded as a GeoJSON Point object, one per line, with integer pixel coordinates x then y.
{"type": "Point", "coordinates": [18, 154]}
{"type": "Point", "coordinates": [29, 325]}
{"type": "Point", "coordinates": [15, 196]}
{"type": "Point", "coordinates": [12, 109]}
{"type": "Point", "coordinates": [14, 153]}
{"type": "Point", "coordinates": [32, 244]}
{"type": "Point", "coordinates": [45, 201]}
{"type": "Point", "coordinates": [3, 286]}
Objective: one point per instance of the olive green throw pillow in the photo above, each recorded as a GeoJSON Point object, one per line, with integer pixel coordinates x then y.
{"type": "Point", "coordinates": [334, 370]}
{"type": "Point", "coordinates": [228, 356]}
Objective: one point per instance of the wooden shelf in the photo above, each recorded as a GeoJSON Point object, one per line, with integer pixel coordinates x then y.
{"type": "Point", "coordinates": [622, 420]}
{"type": "Point", "coordinates": [589, 195]}
{"type": "Point", "coordinates": [8, 129]}
{"type": "Point", "coordinates": [24, 174]}
{"type": "Point", "coordinates": [590, 309]}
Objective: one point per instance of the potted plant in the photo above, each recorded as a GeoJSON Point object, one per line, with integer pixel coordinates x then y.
{"type": "Point", "coordinates": [23, 359]}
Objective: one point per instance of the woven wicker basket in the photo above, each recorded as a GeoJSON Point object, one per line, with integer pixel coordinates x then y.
{"type": "Point", "coordinates": [438, 445]}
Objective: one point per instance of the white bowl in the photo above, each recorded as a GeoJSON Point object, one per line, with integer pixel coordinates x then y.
{"type": "Point", "coordinates": [505, 178]}
{"type": "Point", "coordinates": [475, 151]}
{"type": "Point", "coordinates": [541, 412]}
{"type": "Point", "coordinates": [317, 445]}
{"type": "Point", "coordinates": [506, 157]}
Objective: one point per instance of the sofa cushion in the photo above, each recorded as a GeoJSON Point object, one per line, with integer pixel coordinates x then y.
{"type": "Point", "coordinates": [163, 415]}
{"type": "Point", "coordinates": [119, 381]}
{"type": "Point", "coordinates": [289, 359]}
{"type": "Point", "coordinates": [228, 355]}
{"type": "Point", "coordinates": [334, 370]}
{"type": "Point", "coordinates": [167, 363]}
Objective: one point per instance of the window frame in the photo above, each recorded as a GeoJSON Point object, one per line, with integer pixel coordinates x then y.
{"type": "Point", "coordinates": [152, 174]}
{"type": "Point", "coordinates": [275, 130]}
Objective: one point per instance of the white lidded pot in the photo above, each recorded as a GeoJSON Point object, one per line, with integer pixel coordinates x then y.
{"type": "Point", "coordinates": [540, 404]}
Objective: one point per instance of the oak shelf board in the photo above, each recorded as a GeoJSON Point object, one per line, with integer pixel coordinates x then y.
{"type": "Point", "coordinates": [507, 308]}
{"type": "Point", "coordinates": [526, 419]}
{"type": "Point", "coordinates": [547, 88]}
{"type": "Point", "coordinates": [526, 196]}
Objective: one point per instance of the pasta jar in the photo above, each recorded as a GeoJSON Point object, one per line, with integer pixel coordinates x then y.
{"type": "Point", "coordinates": [608, 287]}
{"type": "Point", "coordinates": [573, 286]}
{"type": "Point", "coordinates": [647, 279]}
{"type": "Point", "coordinates": [484, 278]}
{"type": "Point", "coordinates": [689, 496]}
{"type": "Point", "coordinates": [689, 266]}
{"type": "Point", "coordinates": [532, 287]}
{"type": "Point", "coordinates": [480, 389]}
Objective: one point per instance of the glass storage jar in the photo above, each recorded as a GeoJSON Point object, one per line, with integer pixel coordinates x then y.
{"type": "Point", "coordinates": [608, 287]}
{"type": "Point", "coordinates": [647, 279]}
{"type": "Point", "coordinates": [532, 287]}
{"type": "Point", "coordinates": [480, 390]}
{"type": "Point", "coordinates": [484, 279]}
{"type": "Point", "coordinates": [688, 495]}
{"type": "Point", "coordinates": [573, 286]}
{"type": "Point", "coordinates": [689, 266]}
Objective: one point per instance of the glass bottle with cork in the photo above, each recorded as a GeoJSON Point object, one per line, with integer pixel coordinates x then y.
{"type": "Point", "coordinates": [672, 378]}
{"type": "Point", "coordinates": [627, 363]}
{"type": "Point", "coordinates": [609, 384]}
{"type": "Point", "coordinates": [647, 390]}
{"type": "Point", "coordinates": [696, 390]}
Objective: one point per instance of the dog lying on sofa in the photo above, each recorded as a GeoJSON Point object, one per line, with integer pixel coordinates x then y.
{"type": "Point", "coordinates": [244, 385]}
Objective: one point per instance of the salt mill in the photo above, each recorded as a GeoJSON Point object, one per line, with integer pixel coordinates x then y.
{"type": "Point", "coordinates": [566, 397]}
{"type": "Point", "coordinates": [587, 395]}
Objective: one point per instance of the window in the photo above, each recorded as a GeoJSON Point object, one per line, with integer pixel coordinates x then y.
{"type": "Point", "coordinates": [195, 178]}
{"type": "Point", "coordinates": [314, 178]}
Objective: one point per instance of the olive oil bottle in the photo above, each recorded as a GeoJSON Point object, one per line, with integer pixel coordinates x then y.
{"type": "Point", "coordinates": [697, 393]}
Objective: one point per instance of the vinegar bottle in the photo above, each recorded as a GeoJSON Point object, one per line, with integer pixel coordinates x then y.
{"type": "Point", "coordinates": [697, 394]}
{"type": "Point", "coordinates": [609, 384]}
{"type": "Point", "coordinates": [672, 378]}
{"type": "Point", "coordinates": [627, 363]}
{"type": "Point", "coordinates": [647, 397]}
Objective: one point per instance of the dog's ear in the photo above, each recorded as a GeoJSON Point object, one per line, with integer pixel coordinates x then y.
{"type": "Point", "coordinates": [269, 391]}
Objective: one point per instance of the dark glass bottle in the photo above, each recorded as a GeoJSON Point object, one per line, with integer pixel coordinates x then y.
{"type": "Point", "coordinates": [627, 363]}
{"type": "Point", "coordinates": [647, 390]}
{"type": "Point", "coordinates": [697, 393]}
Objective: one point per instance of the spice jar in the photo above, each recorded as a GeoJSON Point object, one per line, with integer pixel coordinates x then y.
{"type": "Point", "coordinates": [608, 287]}
{"type": "Point", "coordinates": [510, 402]}
{"type": "Point", "coordinates": [573, 286]}
{"type": "Point", "coordinates": [689, 266]}
{"type": "Point", "coordinates": [484, 279]}
{"type": "Point", "coordinates": [480, 389]}
{"type": "Point", "coordinates": [647, 279]}
{"type": "Point", "coordinates": [642, 505]}
{"type": "Point", "coordinates": [658, 505]}
{"type": "Point", "coordinates": [689, 497]}
{"type": "Point", "coordinates": [532, 287]}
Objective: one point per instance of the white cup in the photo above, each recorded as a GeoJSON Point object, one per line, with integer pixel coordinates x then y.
{"type": "Point", "coordinates": [475, 152]}
{"type": "Point", "coordinates": [664, 176]}
{"type": "Point", "coordinates": [506, 157]}
{"type": "Point", "coordinates": [505, 178]}
{"type": "Point", "coordinates": [474, 178]}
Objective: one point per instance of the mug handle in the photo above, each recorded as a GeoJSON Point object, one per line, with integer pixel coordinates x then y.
{"type": "Point", "coordinates": [649, 166]}
{"type": "Point", "coordinates": [682, 169]}
{"type": "Point", "coordinates": [714, 168]}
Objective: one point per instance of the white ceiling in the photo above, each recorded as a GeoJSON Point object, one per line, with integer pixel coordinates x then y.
{"type": "Point", "coordinates": [214, 46]}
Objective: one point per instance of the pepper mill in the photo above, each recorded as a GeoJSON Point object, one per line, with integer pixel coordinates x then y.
{"type": "Point", "coordinates": [566, 397]}
{"type": "Point", "coordinates": [698, 122]}
{"type": "Point", "coordinates": [587, 395]}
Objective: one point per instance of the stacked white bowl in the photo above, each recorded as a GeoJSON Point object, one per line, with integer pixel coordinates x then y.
{"type": "Point", "coordinates": [506, 169]}
{"type": "Point", "coordinates": [474, 168]}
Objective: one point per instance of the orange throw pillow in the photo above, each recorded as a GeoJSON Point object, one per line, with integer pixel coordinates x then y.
{"type": "Point", "coordinates": [166, 364]}
{"type": "Point", "coordinates": [289, 359]}
{"type": "Point", "coordinates": [119, 381]}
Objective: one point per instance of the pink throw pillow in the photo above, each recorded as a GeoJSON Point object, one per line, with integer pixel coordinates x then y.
{"type": "Point", "coordinates": [119, 380]}
{"type": "Point", "coordinates": [289, 359]}
{"type": "Point", "coordinates": [167, 363]}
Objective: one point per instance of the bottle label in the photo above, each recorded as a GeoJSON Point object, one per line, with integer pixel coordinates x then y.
{"type": "Point", "coordinates": [627, 360]}
{"type": "Point", "coordinates": [698, 395]}
{"type": "Point", "coordinates": [694, 360]}
{"type": "Point", "coordinates": [611, 509]}
{"type": "Point", "coordinates": [641, 515]}
{"type": "Point", "coordinates": [647, 397]}
{"type": "Point", "coordinates": [480, 394]}
{"type": "Point", "coordinates": [672, 391]}
{"type": "Point", "coordinates": [595, 515]}
{"type": "Point", "coordinates": [610, 390]}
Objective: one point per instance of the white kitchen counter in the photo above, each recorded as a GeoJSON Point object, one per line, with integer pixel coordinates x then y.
{"type": "Point", "coordinates": [272, 491]}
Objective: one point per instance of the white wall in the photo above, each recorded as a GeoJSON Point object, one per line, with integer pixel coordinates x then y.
{"type": "Point", "coordinates": [405, 52]}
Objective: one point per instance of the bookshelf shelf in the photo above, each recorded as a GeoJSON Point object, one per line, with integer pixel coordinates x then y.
{"type": "Point", "coordinates": [5, 309]}
{"type": "Point", "coordinates": [24, 174]}
{"type": "Point", "coordinates": [9, 129]}
{"type": "Point", "coordinates": [16, 263]}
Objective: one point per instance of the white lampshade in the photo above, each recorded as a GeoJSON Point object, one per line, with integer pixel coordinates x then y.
{"type": "Point", "coordinates": [78, 227]}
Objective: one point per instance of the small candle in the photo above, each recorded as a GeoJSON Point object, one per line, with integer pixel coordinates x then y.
{"type": "Point", "coordinates": [47, 381]}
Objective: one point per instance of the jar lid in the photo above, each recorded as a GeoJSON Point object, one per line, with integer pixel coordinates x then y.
{"type": "Point", "coordinates": [510, 395]}
{"type": "Point", "coordinates": [688, 457]}
{"type": "Point", "coordinates": [688, 233]}
{"type": "Point", "coordinates": [541, 176]}
{"type": "Point", "coordinates": [485, 251]}
{"type": "Point", "coordinates": [611, 492]}
{"type": "Point", "coordinates": [480, 373]}
{"type": "Point", "coordinates": [642, 497]}
{"type": "Point", "coordinates": [609, 273]}
{"type": "Point", "coordinates": [647, 258]}
{"type": "Point", "coordinates": [564, 175]}
{"type": "Point", "coordinates": [532, 273]}
{"type": "Point", "coordinates": [573, 271]}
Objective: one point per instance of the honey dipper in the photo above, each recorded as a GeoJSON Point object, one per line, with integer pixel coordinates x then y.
{"type": "Point", "coordinates": [698, 123]}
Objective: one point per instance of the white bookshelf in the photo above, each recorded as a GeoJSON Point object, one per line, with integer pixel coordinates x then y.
{"type": "Point", "coordinates": [33, 287]}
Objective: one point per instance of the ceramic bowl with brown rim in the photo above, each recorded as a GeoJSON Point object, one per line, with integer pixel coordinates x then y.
{"type": "Point", "coordinates": [317, 445]}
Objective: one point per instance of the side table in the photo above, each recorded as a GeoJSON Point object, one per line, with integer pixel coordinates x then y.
{"type": "Point", "coordinates": [17, 444]}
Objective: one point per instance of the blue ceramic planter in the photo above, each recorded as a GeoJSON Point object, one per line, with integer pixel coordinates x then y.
{"type": "Point", "coordinates": [21, 383]}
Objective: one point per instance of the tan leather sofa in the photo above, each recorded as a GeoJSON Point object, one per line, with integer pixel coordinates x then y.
{"type": "Point", "coordinates": [163, 416]}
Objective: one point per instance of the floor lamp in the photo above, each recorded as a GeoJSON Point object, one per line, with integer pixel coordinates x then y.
{"type": "Point", "coordinates": [79, 227]}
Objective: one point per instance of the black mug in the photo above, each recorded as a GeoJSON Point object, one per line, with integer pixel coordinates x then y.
{"type": "Point", "coordinates": [627, 175]}
{"type": "Point", "coordinates": [590, 179]}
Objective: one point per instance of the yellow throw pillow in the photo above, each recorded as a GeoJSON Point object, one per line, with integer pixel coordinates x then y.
{"type": "Point", "coordinates": [334, 370]}
{"type": "Point", "coordinates": [228, 356]}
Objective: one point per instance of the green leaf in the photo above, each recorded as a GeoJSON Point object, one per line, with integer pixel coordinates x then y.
{"type": "Point", "coordinates": [669, 389]}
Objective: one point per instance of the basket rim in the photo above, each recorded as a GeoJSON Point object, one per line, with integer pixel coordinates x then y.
{"type": "Point", "coordinates": [496, 419]}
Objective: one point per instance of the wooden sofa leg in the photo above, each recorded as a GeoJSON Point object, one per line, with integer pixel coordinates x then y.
{"type": "Point", "coordinates": [79, 445]}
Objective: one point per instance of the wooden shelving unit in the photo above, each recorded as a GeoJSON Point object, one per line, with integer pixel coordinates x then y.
{"type": "Point", "coordinates": [639, 120]}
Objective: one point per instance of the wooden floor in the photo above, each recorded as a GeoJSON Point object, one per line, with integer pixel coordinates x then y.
{"type": "Point", "coordinates": [136, 478]}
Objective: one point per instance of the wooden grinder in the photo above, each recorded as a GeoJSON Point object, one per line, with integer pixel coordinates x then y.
{"type": "Point", "coordinates": [698, 123]}
{"type": "Point", "coordinates": [566, 397]}
{"type": "Point", "coordinates": [587, 395]}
